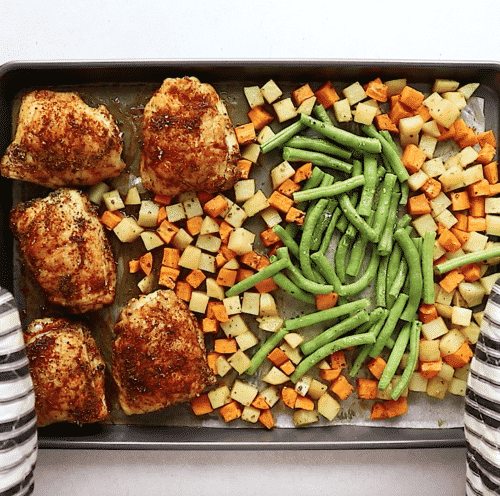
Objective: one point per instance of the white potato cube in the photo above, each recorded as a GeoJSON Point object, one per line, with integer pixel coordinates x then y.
{"type": "Point", "coordinates": [254, 96]}
{"type": "Point", "coordinates": [294, 354]}
{"type": "Point", "coordinates": [342, 110]}
{"type": "Point", "coordinates": [492, 205]}
{"type": "Point", "coordinates": [488, 282]}
{"type": "Point", "coordinates": [462, 372]}
{"type": "Point", "coordinates": [493, 225]}
{"type": "Point", "coordinates": [198, 302]}
{"type": "Point", "coordinates": [316, 389]}
{"type": "Point", "coordinates": [235, 326]}
{"type": "Point", "coordinates": [432, 100]}
{"type": "Point", "coordinates": [302, 385]}
{"type": "Point", "coordinates": [446, 372]}
{"type": "Point", "coordinates": [440, 203]}
{"type": "Point", "coordinates": [128, 230]}
{"type": "Point", "coordinates": [468, 89]}
{"type": "Point", "coordinates": [151, 240]}
{"type": "Point", "coordinates": [307, 106]}
{"type": "Point", "coordinates": [251, 152]}
{"type": "Point", "coordinates": [270, 216]}
{"type": "Point", "coordinates": [257, 203]}
{"type": "Point", "coordinates": [457, 386]}
{"type": "Point", "coordinates": [281, 173]}
{"type": "Point", "coordinates": [452, 179]}
{"type": "Point", "coordinates": [193, 207]}
{"type": "Point", "coordinates": [472, 292]}
{"type": "Point", "coordinates": [239, 361]}
{"type": "Point", "coordinates": [417, 180]}
{"type": "Point", "coordinates": [467, 156]}
{"type": "Point", "coordinates": [365, 113]}
{"type": "Point", "coordinates": [443, 85]}
{"type": "Point", "coordinates": [146, 284]}
{"type": "Point", "coordinates": [250, 414]}
{"type": "Point", "coordinates": [434, 329]}
{"type": "Point", "coordinates": [232, 305]}
{"type": "Point", "coordinates": [418, 383]}
{"type": "Point", "coordinates": [219, 397]}
{"type": "Point", "coordinates": [208, 242]}
{"type": "Point", "coordinates": [208, 226]}
{"type": "Point", "coordinates": [246, 340]}
{"type": "Point", "coordinates": [275, 376]}
{"type": "Point", "coordinates": [424, 223]}
{"type": "Point", "coordinates": [271, 395]}
{"type": "Point", "coordinates": [222, 365]}
{"type": "Point", "coordinates": [182, 239]}
{"type": "Point", "coordinates": [476, 242]}
{"type": "Point", "coordinates": [437, 387]}
{"type": "Point", "coordinates": [264, 134]}
{"type": "Point", "coordinates": [431, 128]}
{"type": "Point", "coordinates": [268, 306]}
{"type": "Point", "coordinates": [207, 263]}
{"type": "Point", "coordinates": [294, 339]}
{"type": "Point", "coordinates": [272, 323]}
{"type": "Point", "coordinates": [456, 98]}
{"type": "Point", "coordinates": [328, 406]}
{"type": "Point", "coordinates": [461, 316]}
{"type": "Point", "coordinates": [271, 91]}
{"type": "Point", "coordinates": [445, 113]}
{"type": "Point", "coordinates": [438, 250]}
{"type": "Point", "coordinates": [471, 333]}
{"type": "Point", "coordinates": [190, 257]}
{"type": "Point", "coordinates": [213, 289]}
{"type": "Point", "coordinates": [175, 212]}
{"type": "Point", "coordinates": [409, 130]}
{"type": "Point", "coordinates": [446, 218]}
{"type": "Point", "coordinates": [132, 197]}
{"type": "Point", "coordinates": [243, 392]}
{"type": "Point", "coordinates": [96, 192]}
{"type": "Point", "coordinates": [395, 86]}
{"type": "Point", "coordinates": [428, 350]}
{"type": "Point", "coordinates": [285, 109]}
{"type": "Point", "coordinates": [250, 303]}
{"type": "Point", "coordinates": [451, 342]}
{"type": "Point", "coordinates": [148, 213]}
{"type": "Point", "coordinates": [427, 145]}
{"type": "Point", "coordinates": [241, 241]}
{"type": "Point", "coordinates": [443, 297]}
{"type": "Point", "coordinates": [113, 200]}
{"type": "Point", "coordinates": [304, 417]}
{"type": "Point", "coordinates": [354, 93]}
{"type": "Point", "coordinates": [244, 190]}
{"type": "Point", "coordinates": [236, 216]}
{"type": "Point", "coordinates": [473, 174]}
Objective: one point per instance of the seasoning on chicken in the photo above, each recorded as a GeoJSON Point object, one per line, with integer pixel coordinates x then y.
{"type": "Point", "coordinates": [66, 249]}
{"type": "Point", "coordinates": [159, 356]}
{"type": "Point", "coordinates": [189, 141]}
{"type": "Point", "coordinates": [61, 141]}
{"type": "Point", "coordinates": [67, 370]}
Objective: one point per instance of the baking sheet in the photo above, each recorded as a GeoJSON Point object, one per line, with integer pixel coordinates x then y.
{"type": "Point", "coordinates": [111, 84]}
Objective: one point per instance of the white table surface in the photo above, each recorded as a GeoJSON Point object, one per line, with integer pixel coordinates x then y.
{"type": "Point", "coordinates": [99, 30]}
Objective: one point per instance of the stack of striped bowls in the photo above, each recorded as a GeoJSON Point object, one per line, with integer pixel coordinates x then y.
{"type": "Point", "coordinates": [18, 435]}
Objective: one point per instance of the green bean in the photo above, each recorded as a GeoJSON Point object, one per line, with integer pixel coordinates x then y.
{"type": "Point", "coordinates": [321, 353]}
{"type": "Point", "coordinates": [340, 256]}
{"type": "Point", "coordinates": [297, 277]}
{"type": "Point", "coordinates": [411, 360]}
{"type": "Point", "coordinates": [358, 251]}
{"type": "Point", "coordinates": [325, 242]}
{"type": "Point", "coordinates": [477, 256]}
{"type": "Point", "coordinates": [398, 282]}
{"type": "Point", "coordinates": [387, 135]}
{"type": "Point", "coordinates": [371, 180]}
{"type": "Point", "coordinates": [316, 158]}
{"type": "Point", "coordinates": [386, 239]}
{"type": "Point", "coordinates": [252, 280]}
{"type": "Point", "coordinates": [327, 270]}
{"type": "Point", "coordinates": [310, 222]}
{"type": "Point", "coordinates": [418, 242]}
{"type": "Point", "coordinates": [288, 241]}
{"type": "Point", "coordinates": [428, 267]}
{"type": "Point", "coordinates": [389, 152]}
{"type": "Point", "coordinates": [327, 191]}
{"type": "Point", "coordinates": [265, 348]}
{"type": "Point", "coordinates": [292, 289]}
{"type": "Point", "coordinates": [280, 138]}
{"type": "Point", "coordinates": [389, 325]}
{"type": "Point", "coordinates": [323, 224]}
{"type": "Point", "coordinates": [319, 145]}
{"type": "Point", "coordinates": [384, 203]}
{"type": "Point", "coordinates": [325, 315]}
{"type": "Point", "coordinates": [393, 266]}
{"type": "Point", "coordinates": [314, 181]}
{"type": "Point", "coordinates": [321, 113]}
{"type": "Point", "coordinates": [405, 193]}
{"type": "Point", "coordinates": [381, 285]}
{"type": "Point", "coordinates": [403, 222]}
{"type": "Point", "coordinates": [395, 357]}
{"type": "Point", "coordinates": [365, 350]}
{"type": "Point", "coordinates": [335, 332]}
{"type": "Point", "coordinates": [414, 273]}
{"type": "Point", "coordinates": [363, 282]}
{"type": "Point", "coordinates": [338, 135]}
{"type": "Point", "coordinates": [354, 218]}
{"type": "Point", "coordinates": [342, 223]}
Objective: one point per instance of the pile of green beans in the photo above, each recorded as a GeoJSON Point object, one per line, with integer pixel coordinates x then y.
{"type": "Point", "coordinates": [357, 185]}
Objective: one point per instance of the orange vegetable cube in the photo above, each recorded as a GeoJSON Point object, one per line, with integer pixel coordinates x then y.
{"type": "Point", "coordinates": [367, 389]}
{"type": "Point", "coordinates": [289, 396]}
{"type": "Point", "coordinates": [423, 112]}
{"type": "Point", "coordinates": [288, 187]}
{"type": "Point", "coordinates": [260, 117]}
{"type": "Point", "coordinates": [111, 218]}
{"type": "Point", "coordinates": [245, 167]}
{"type": "Point", "coordinates": [225, 231]}
{"type": "Point", "coordinates": [338, 360]}
{"type": "Point", "coordinates": [226, 277]}
{"type": "Point", "coordinates": [134, 266]}
{"type": "Point", "coordinates": [383, 121]}
{"type": "Point", "coordinates": [326, 95]}
{"type": "Point", "coordinates": [459, 200]}
{"type": "Point", "coordinates": [328, 300]}
{"type": "Point", "coordinates": [451, 280]}
{"type": "Point", "coordinates": [277, 356]}
{"type": "Point", "coordinates": [167, 231]}
{"type": "Point", "coordinates": [219, 312]}
{"type": "Point", "coordinates": [476, 223]}
{"type": "Point", "coordinates": [413, 158]}
{"type": "Point", "coordinates": [462, 218]}
{"type": "Point", "coordinates": [378, 412]}
{"type": "Point", "coordinates": [243, 273]}
{"type": "Point", "coordinates": [302, 173]}
{"type": "Point", "coordinates": [209, 326]}
{"type": "Point", "coordinates": [471, 272]}
{"type": "Point", "coordinates": [195, 278]}
{"type": "Point", "coordinates": [431, 188]}
{"type": "Point", "coordinates": [427, 313]}
{"type": "Point", "coordinates": [377, 90]}
{"type": "Point", "coordinates": [304, 403]}
{"type": "Point", "coordinates": [494, 189]}
{"type": "Point", "coordinates": [212, 357]}
{"type": "Point", "coordinates": [449, 241]}
{"type": "Point", "coordinates": [301, 94]}
{"type": "Point", "coordinates": [446, 133]}
{"type": "Point", "coordinates": [411, 97]}
{"type": "Point", "coordinates": [193, 225]}
{"type": "Point", "coordinates": [487, 137]}
{"type": "Point", "coordinates": [183, 290]}
{"type": "Point", "coordinates": [398, 110]}
{"type": "Point", "coordinates": [341, 387]}
{"type": "Point", "coordinates": [490, 172]}
{"type": "Point", "coordinates": [376, 366]}
{"type": "Point", "coordinates": [296, 216]}
{"type": "Point", "coordinates": [215, 206]}
{"type": "Point", "coordinates": [168, 276]}
{"type": "Point", "coordinates": [201, 405]}
{"type": "Point", "coordinates": [486, 154]}
{"type": "Point", "coordinates": [479, 188]}
{"type": "Point", "coordinates": [330, 374]}
{"type": "Point", "coordinates": [260, 402]}
{"type": "Point", "coordinates": [251, 258]}
{"type": "Point", "coordinates": [225, 345]}
{"type": "Point", "coordinates": [288, 367]}
{"type": "Point", "coordinates": [245, 133]}
{"type": "Point", "coordinates": [394, 408]}
{"type": "Point", "coordinates": [266, 286]}
{"type": "Point", "coordinates": [171, 257]}
{"type": "Point", "coordinates": [162, 215]}
{"type": "Point", "coordinates": [461, 357]}
{"type": "Point", "coordinates": [462, 236]}
{"type": "Point", "coordinates": [280, 202]}
{"type": "Point", "coordinates": [419, 205]}
{"type": "Point", "coordinates": [462, 130]}
{"type": "Point", "coordinates": [428, 370]}
{"type": "Point", "coordinates": [269, 237]}
{"type": "Point", "coordinates": [266, 419]}
{"type": "Point", "coordinates": [231, 411]}
{"type": "Point", "coordinates": [470, 139]}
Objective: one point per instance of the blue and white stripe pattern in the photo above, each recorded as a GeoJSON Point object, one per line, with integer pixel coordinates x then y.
{"type": "Point", "coordinates": [18, 435]}
{"type": "Point", "coordinates": [482, 405]}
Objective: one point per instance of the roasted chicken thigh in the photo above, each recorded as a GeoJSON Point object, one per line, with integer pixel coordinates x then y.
{"type": "Point", "coordinates": [66, 249]}
{"type": "Point", "coordinates": [61, 141]}
{"type": "Point", "coordinates": [189, 140]}
{"type": "Point", "coordinates": [159, 356]}
{"type": "Point", "coordinates": [67, 371]}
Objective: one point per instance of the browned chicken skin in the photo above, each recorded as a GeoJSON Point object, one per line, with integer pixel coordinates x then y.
{"type": "Point", "coordinates": [66, 249]}
{"type": "Point", "coordinates": [159, 354]}
{"type": "Point", "coordinates": [67, 371]}
{"type": "Point", "coordinates": [189, 141]}
{"type": "Point", "coordinates": [61, 141]}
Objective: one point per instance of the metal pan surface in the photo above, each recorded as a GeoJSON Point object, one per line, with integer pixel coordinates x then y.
{"type": "Point", "coordinates": [18, 77]}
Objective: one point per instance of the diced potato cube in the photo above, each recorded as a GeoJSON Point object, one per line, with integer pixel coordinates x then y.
{"type": "Point", "coordinates": [492, 225]}
{"type": "Point", "coordinates": [304, 417]}
{"type": "Point", "coordinates": [148, 213]}
{"type": "Point", "coordinates": [257, 203]}
{"type": "Point", "coordinates": [275, 376]}
{"type": "Point", "coordinates": [271, 91]}
{"type": "Point", "coordinates": [471, 333]}
{"type": "Point", "coordinates": [146, 284]}
{"type": "Point", "coordinates": [219, 397]}
{"type": "Point", "coordinates": [446, 372]}
{"type": "Point", "coordinates": [246, 340]}
{"type": "Point", "coordinates": [457, 386]}
{"type": "Point", "coordinates": [440, 203]}
{"type": "Point", "coordinates": [251, 152]}
{"type": "Point", "coordinates": [270, 216]}
{"type": "Point", "coordinates": [272, 323]}
{"type": "Point", "coordinates": [417, 180]}
{"type": "Point", "coordinates": [285, 109]}
{"type": "Point", "coordinates": [268, 306]}
{"type": "Point", "coordinates": [437, 387]}
{"type": "Point", "coordinates": [395, 86]}
{"type": "Point", "coordinates": [294, 354]}
{"type": "Point", "coordinates": [250, 414]}
{"type": "Point", "coordinates": [431, 128]}
{"type": "Point", "coordinates": [182, 239]}
{"type": "Point", "coordinates": [234, 326]}
{"type": "Point", "coordinates": [472, 292]}
{"type": "Point", "coordinates": [456, 98]}
{"type": "Point", "coordinates": [198, 302]}
{"type": "Point", "coordinates": [281, 173]}
{"type": "Point", "coordinates": [342, 110]}
{"type": "Point", "coordinates": [236, 216]}
{"type": "Point", "coordinates": [208, 242]}
{"type": "Point", "coordinates": [316, 389]}
{"type": "Point", "coordinates": [128, 230]}
{"type": "Point", "coordinates": [476, 242]}
{"type": "Point", "coordinates": [409, 130]}
{"type": "Point", "coordinates": [207, 263]}
{"type": "Point", "coordinates": [488, 282]}
{"type": "Point", "coordinates": [241, 241]}
{"type": "Point", "coordinates": [461, 316]}
{"type": "Point", "coordinates": [151, 240]}
{"type": "Point", "coordinates": [446, 218]}
{"type": "Point", "coordinates": [243, 392]}
{"type": "Point", "coordinates": [466, 157]}
{"type": "Point", "coordinates": [445, 112]}
{"type": "Point", "coordinates": [434, 167]}
{"type": "Point", "coordinates": [192, 207]}
{"type": "Point", "coordinates": [113, 200]}
{"type": "Point", "coordinates": [190, 257]}
{"type": "Point", "coordinates": [239, 361]}
{"type": "Point", "coordinates": [468, 89]}
{"type": "Point", "coordinates": [432, 100]}
{"type": "Point", "coordinates": [264, 134]}
{"type": "Point", "coordinates": [463, 372]}
{"type": "Point", "coordinates": [96, 192]}
{"type": "Point", "coordinates": [232, 304]}
{"type": "Point", "coordinates": [451, 341]}
{"type": "Point", "coordinates": [429, 350]}
{"type": "Point", "coordinates": [254, 96]}
{"type": "Point", "coordinates": [354, 93]}
{"type": "Point", "coordinates": [418, 383]}
{"type": "Point", "coordinates": [250, 303]}
{"type": "Point", "coordinates": [492, 205]}
{"type": "Point", "coordinates": [294, 339]}
{"type": "Point", "coordinates": [328, 406]}
{"type": "Point", "coordinates": [213, 289]}
{"type": "Point", "coordinates": [427, 145]}
{"type": "Point", "coordinates": [364, 113]}
{"type": "Point", "coordinates": [302, 385]}
{"type": "Point", "coordinates": [443, 85]}
{"type": "Point", "coordinates": [208, 226]}
{"type": "Point", "coordinates": [434, 329]}
{"type": "Point", "coordinates": [175, 212]}
{"type": "Point", "coordinates": [222, 365]}
{"type": "Point", "coordinates": [424, 223]}
{"type": "Point", "coordinates": [244, 190]}
{"type": "Point", "coordinates": [452, 179]}
{"type": "Point", "coordinates": [132, 197]}
{"type": "Point", "coordinates": [271, 394]}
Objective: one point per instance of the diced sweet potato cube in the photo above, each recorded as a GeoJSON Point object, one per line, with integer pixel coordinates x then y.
{"type": "Point", "coordinates": [245, 133]}
{"type": "Point", "coordinates": [366, 389]}
{"type": "Point", "coordinates": [288, 187]}
{"type": "Point", "coordinates": [476, 224]}
{"type": "Point", "coordinates": [304, 402]}
{"type": "Point", "coordinates": [226, 277]}
{"type": "Point", "coordinates": [301, 94]}
{"type": "Point", "coordinates": [201, 405]}
{"type": "Point", "coordinates": [302, 173]}
{"type": "Point", "coordinates": [225, 345]}
{"type": "Point", "coordinates": [330, 374]}
{"type": "Point", "coordinates": [377, 90]}
{"type": "Point", "coordinates": [383, 121]}
{"type": "Point", "coordinates": [428, 370]}
{"type": "Point", "coordinates": [459, 200]}
{"type": "Point", "coordinates": [338, 360]}
{"type": "Point", "coordinates": [260, 117]}
{"type": "Point", "coordinates": [427, 313]}
{"type": "Point", "coordinates": [490, 172]}
{"type": "Point", "coordinates": [288, 367]}
{"type": "Point", "coordinates": [460, 358]}
{"type": "Point", "coordinates": [413, 158]}
{"type": "Point", "coordinates": [376, 366]}
{"type": "Point", "coordinates": [193, 225]}
{"type": "Point", "coordinates": [378, 412]}
{"type": "Point", "coordinates": [266, 419]}
{"type": "Point", "coordinates": [280, 202]}
{"type": "Point", "coordinates": [260, 402]}
{"type": "Point", "coordinates": [289, 396]}
{"type": "Point", "coordinates": [449, 241]}
{"type": "Point", "coordinates": [411, 97]}
{"type": "Point", "coordinates": [277, 356]}
{"type": "Point", "coordinates": [486, 154]}
{"type": "Point", "coordinates": [326, 95]}
{"type": "Point", "coordinates": [215, 206]}
{"type": "Point", "coordinates": [183, 290]}
{"type": "Point", "coordinates": [296, 216]}
{"type": "Point", "coordinates": [209, 326]}
{"type": "Point", "coordinates": [231, 411]}
{"type": "Point", "coordinates": [471, 272]}
{"type": "Point", "coordinates": [328, 300]}
{"type": "Point", "coordinates": [419, 205]}
{"type": "Point", "coordinates": [394, 408]}
{"type": "Point", "coordinates": [195, 278]}
{"type": "Point", "coordinates": [171, 257]}
{"type": "Point", "coordinates": [134, 266]}
{"type": "Point", "coordinates": [431, 188]}
{"type": "Point", "coordinates": [451, 280]}
{"type": "Point", "coordinates": [341, 387]}
{"type": "Point", "coordinates": [168, 276]}
{"type": "Point", "coordinates": [479, 188]}
{"type": "Point", "coordinates": [269, 237]}
{"type": "Point", "coordinates": [487, 137]}
{"type": "Point", "coordinates": [266, 286]}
